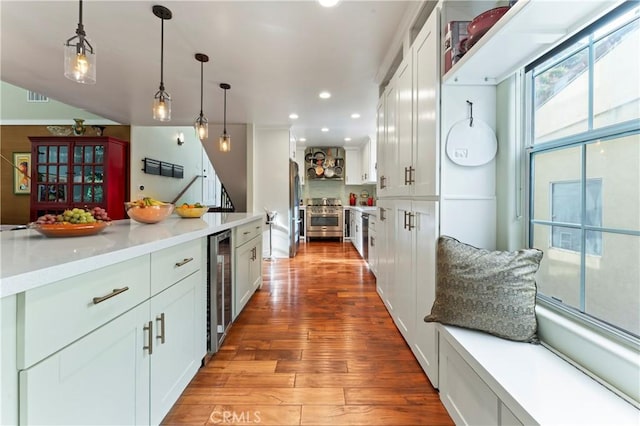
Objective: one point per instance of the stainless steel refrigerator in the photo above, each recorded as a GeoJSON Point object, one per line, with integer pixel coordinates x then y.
{"type": "Point", "coordinates": [295, 191]}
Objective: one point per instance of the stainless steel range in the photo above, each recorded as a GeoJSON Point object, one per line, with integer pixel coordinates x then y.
{"type": "Point", "coordinates": [324, 218]}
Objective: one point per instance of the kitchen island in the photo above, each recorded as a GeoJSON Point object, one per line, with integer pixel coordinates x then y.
{"type": "Point", "coordinates": [107, 328]}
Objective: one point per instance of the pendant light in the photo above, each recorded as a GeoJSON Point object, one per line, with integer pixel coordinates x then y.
{"type": "Point", "coordinates": [224, 143]}
{"type": "Point", "coordinates": [79, 57]}
{"type": "Point", "coordinates": [202, 124]}
{"type": "Point", "coordinates": [162, 99]}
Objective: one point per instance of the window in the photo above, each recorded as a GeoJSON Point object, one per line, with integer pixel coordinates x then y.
{"type": "Point", "coordinates": [584, 182]}
{"type": "Point", "coordinates": [565, 207]}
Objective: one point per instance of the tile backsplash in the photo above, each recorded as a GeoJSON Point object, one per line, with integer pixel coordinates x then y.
{"type": "Point", "coordinates": [335, 189]}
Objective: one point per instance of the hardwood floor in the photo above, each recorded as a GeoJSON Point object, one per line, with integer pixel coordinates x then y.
{"type": "Point", "coordinates": [314, 346]}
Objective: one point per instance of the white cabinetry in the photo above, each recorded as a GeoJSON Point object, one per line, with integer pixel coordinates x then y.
{"type": "Point", "coordinates": [467, 398]}
{"type": "Point", "coordinates": [248, 264]}
{"type": "Point", "coordinates": [387, 138]}
{"type": "Point", "coordinates": [353, 164]}
{"type": "Point", "coordinates": [385, 242]}
{"type": "Point", "coordinates": [302, 172]}
{"type": "Point", "coordinates": [425, 235]}
{"type": "Point", "coordinates": [175, 343]}
{"type": "Point", "coordinates": [357, 235]}
{"type": "Point", "coordinates": [400, 172]}
{"type": "Point", "coordinates": [368, 156]}
{"type": "Point", "coordinates": [112, 355]}
{"type": "Point", "coordinates": [103, 377]}
{"type": "Point", "coordinates": [404, 291]}
{"type": "Point", "coordinates": [416, 119]}
{"type": "Point", "coordinates": [420, 186]}
{"type": "Point", "coordinates": [373, 248]}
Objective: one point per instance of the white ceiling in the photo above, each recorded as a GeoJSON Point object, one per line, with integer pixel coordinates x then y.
{"type": "Point", "coordinates": [277, 57]}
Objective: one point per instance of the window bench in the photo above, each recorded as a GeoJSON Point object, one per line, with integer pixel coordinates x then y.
{"type": "Point", "coordinates": [486, 380]}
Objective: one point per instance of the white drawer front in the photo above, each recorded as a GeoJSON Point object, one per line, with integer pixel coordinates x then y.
{"type": "Point", "coordinates": [247, 232]}
{"type": "Point", "coordinates": [172, 264]}
{"type": "Point", "coordinates": [55, 315]}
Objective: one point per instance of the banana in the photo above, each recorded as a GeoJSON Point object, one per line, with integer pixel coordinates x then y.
{"type": "Point", "coordinates": [148, 201]}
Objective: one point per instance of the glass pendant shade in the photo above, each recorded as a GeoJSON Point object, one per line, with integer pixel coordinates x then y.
{"type": "Point", "coordinates": [162, 106]}
{"type": "Point", "coordinates": [224, 143]}
{"type": "Point", "coordinates": [162, 100]}
{"type": "Point", "coordinates": [201, 124]}
{"type": "Point", "coordinates": [79, 64]}
{"type": "Point", "coordinates": [80, 56]}
{"type": "Point", "coordinates": [202, 127]}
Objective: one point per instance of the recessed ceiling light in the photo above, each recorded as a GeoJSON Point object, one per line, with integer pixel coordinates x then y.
{"type": "Point", "coordinates": [325, 129]}
{"type": "Point", "coordinates": [293, 116]}
{"type": "Point", "coordinates": [302, 139]}
{"type": "Point", "coordinates": [347, 139]}
{"type": "Point", "coordinates": [328, 3]}
{"type": "Point", "coordinates": [324, 95]}
{"type": "Point", "coordinates": [355, 115]}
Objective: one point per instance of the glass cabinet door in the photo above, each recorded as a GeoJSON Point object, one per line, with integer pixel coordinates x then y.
{"type": "Point", "coordinates": [52, 173]}
{"type": "Point", "coordinates": [88, 174]}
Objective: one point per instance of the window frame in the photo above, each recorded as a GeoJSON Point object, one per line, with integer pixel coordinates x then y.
{"type": "Point", "coordinates": [599, 349]}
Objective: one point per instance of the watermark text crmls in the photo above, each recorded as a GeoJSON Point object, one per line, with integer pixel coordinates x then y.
{"type": "Point", "coordinates": [235, 417]}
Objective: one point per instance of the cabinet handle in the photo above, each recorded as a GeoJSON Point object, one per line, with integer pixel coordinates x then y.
{"type": "Point", "coordinates": [407, 220]}
{"type": "Point", "coordinates": [149, 328]}
{"type": "Point", "coordinates": [382, 216]}
{"type": "Point", "coordinates": [161, 319]}
{"type": "Point", "coordinates": [383, 181]}
{"type": "Point", "coordinates": [246, 232]}
{"type": "Point", "coordinates": [115, 292]}
{"type": "Point", "coordinates": [373, 241]}
{"type": "Point", "coordinates": [411, 178]}
{"type": "Point", "coordinates": [184, 262]}
{"type": "Point", "coordinates": [411, 224]}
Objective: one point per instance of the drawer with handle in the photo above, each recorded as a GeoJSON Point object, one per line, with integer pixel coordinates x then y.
{"type": "Point", "coordinates": [170, 265]}
{"type": "Point", "coordinates": [247, 232]}
{"type": "Point", "coordinates": [55, 315]}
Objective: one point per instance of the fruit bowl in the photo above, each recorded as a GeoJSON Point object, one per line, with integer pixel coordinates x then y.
{"type": "Point", "coordinates": [64, 229]}
{"type": "Point", "coordinates": [191, 212]}
{"type": "Point", "coordinates": [148, 214]}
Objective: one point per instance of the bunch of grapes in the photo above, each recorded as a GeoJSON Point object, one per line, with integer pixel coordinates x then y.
{"type": "Point", "coordinates": [100, 214]}
{"type": "Point", "coordinates": [47, 218]}
{"type": "Point", "coordinates": [76, 215]}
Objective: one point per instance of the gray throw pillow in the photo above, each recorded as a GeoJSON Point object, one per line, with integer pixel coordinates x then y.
{"type": "Point", "coordinates": [491, 291]}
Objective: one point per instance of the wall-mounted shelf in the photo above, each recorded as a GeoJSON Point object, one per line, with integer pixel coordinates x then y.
{"type": "Point", "coordinates": [162, 168]}
{"type": "Point", "coordinates": [529, 29]}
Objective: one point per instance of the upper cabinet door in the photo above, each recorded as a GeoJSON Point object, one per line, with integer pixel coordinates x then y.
{"type": "Point", "coordinates": [426, 65]}
{"type": "Point", "coordinates": [400, 184]}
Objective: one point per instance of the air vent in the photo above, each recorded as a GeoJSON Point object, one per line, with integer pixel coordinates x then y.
{"type": "Point", "coordinates": [36, 97]}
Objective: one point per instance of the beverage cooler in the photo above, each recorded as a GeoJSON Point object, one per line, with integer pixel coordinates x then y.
{"type": "Point", "coordinates": [219, 298]}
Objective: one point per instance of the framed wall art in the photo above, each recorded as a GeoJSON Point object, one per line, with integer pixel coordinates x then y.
{"type": "Point", "coordinates": [22, 173]}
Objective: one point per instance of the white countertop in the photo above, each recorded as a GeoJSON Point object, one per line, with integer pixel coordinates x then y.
{"type": "Point", "coordinates": [29, 259]}
{"type": "Point", "coordinates": [372, 210]}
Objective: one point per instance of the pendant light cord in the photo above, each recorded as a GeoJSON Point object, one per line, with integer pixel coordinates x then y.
{"type": "Point", "coordinates": [201, 85]}
{"type": "Point", "coordinates": [80, 30]}
{"type": "Point", "coordinates": [162, 54]}
{"type": "Point", "coordinates": [225, 112]}
{"type": "Point", "coordinates": [80, 20]}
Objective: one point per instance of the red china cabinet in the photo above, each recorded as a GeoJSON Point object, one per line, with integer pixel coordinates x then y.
{"type": "Point", "coordinates": [79, 171]}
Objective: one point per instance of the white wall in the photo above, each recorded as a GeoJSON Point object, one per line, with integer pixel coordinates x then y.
{"type": "Point", "coordinates": [160, 143]}
{"type": "Point", "coordinates": [271, 184]}
{"type": "Point", "coordinates": [16, 110]}
{"type": "Point", "coordinates": [510, 163]}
